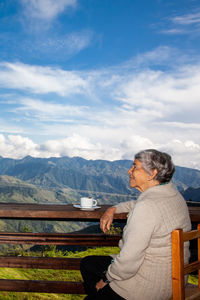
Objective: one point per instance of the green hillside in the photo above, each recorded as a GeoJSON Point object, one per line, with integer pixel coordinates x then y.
{"type": "Point", "coordinates": [14, 190]}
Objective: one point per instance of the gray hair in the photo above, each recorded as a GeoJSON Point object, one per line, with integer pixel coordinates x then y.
{"type": "Point", "coordinates": [152, 159]}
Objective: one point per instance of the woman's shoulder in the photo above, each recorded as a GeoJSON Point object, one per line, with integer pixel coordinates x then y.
{"type": "Point", "coordinates": [160, 195]}
{"type": "Point", "coordinates": [165, 189]}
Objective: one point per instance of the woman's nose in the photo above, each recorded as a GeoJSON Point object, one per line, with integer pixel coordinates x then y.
{"type": "Point", "coordinates": [129, 171]}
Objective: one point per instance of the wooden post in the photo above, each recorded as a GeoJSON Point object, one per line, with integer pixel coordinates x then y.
{"type": "Point", "coordinates": [178, 265]}
{"type": "Point", "coordinates": [198, 245]}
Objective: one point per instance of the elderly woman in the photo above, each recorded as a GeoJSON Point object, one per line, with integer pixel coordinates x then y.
{"type": "Point", "coordinates": [142, 269]}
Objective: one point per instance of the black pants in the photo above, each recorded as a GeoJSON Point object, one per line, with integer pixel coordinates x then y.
{"type": "Point", "coordinates": [92, 269]}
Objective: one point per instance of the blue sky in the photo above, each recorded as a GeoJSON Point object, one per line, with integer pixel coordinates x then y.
{"type": "Point", "coordinates": [100, 79]}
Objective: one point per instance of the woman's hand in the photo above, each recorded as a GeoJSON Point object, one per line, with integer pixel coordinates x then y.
{"type": "Point", "coordinates": [100, 285]}
{"type": "Point", "coordinates": [107, 218]}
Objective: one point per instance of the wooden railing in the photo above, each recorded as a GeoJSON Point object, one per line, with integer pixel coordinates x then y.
{"type": "Point", "coordinates": [56, 213]}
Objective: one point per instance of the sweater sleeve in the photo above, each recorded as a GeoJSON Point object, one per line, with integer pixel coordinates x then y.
{"type": "Point", "coordinates": [125, 207]}
{"type": "Point", "coordinates": [136, 238]}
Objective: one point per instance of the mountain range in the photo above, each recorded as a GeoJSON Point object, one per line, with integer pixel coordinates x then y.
{"type": "Point", "coordinates": [81, 174]}
{"type": "Point", "coordinates": [65, 180]}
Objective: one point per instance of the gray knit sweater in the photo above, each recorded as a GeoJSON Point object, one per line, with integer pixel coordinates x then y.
{"type": "Point", "coordinates": [142, 269]}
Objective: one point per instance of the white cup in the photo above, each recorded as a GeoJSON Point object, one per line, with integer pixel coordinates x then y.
{"type": "Point", "coordinates": [88, 202]}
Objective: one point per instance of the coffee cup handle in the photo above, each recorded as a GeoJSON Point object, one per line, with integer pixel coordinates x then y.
{"type": "Point", "coordinates": [94, 202]}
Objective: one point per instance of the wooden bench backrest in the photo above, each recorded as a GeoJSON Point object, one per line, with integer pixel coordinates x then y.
{"type": "Point", "coordinates": [178, 267]}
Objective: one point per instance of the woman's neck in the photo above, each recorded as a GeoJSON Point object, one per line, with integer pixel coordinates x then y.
{"type": "Point", "coordinates": [148, 185]}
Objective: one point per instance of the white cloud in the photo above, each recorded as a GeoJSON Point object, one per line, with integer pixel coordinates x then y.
{"type": "Point", "coordinates": [184, 153]}
{"type": "Point", "coordinates": [187, 19]}
{"type": "Point", "coordinates": [17, 147]}
{"type": "Point", "coordinates": [156, 94]}
{"type": "Point", "coordinates": [174, 31]}
{"type": "Point", "coordinates": [61, 46]}
{"type": "Point", "coordinates": [184, 24]}
{"type": "Point", "coordinates": [75, 145]}
{"type": "Point", "coordinates": [46, 111]}
{"type": "Point", "coordinates": [64, 46]}
{"type": "Point", "coordinates": [39, 17]}
{"type": "Point", "coordinates": [156, 56]}
{"type": "Point", "coordinates": [46, 9]}
{"type": "Point", "coordinates": [76, 41]}
{"type": "Point", "coordinates": [41, 80]}
{"type": "Point", "coordinates": [143, 88]}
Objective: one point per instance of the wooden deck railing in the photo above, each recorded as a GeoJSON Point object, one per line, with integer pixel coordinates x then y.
{"type": "Point", "coordinates": [58, 213]}
{"type": "Point", "coordinates": [54, 213]}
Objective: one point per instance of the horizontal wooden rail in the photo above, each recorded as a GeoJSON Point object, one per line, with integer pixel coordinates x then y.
{"type": "Point", "coordinates": [65, 212]}
{"type": "Point", "coordinates": [53, 212]}
{"type": "Point", "coordinates": [194, 234]}
{"type": "Point", "coordinates": [191, 267]}
{"type": "Point", "coordinates": [56, 263]}
{"type": "Point", "coordinates": [59, 239]}
{"type": "Point", "coordinates": [57, 287]}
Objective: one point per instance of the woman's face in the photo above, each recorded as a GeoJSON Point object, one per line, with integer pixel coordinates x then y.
{"type": "Point", "coordinates": [138, 177]}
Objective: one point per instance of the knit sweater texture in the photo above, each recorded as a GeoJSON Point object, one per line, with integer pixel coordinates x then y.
{"type": "Point", "coordinates": [142, 269]}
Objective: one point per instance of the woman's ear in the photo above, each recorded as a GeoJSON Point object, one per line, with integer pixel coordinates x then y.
{"type": "Point", "coordinates": [153, 174]}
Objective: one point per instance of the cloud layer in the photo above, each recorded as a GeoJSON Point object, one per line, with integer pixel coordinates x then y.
{"type": "Point", "coordinates": [110, 113]}
{"type": "Point", "coordinates": [15, 146]}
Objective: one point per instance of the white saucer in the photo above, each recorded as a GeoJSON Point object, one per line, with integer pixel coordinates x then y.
{"type": "Point", "coordinates": [86, 208]}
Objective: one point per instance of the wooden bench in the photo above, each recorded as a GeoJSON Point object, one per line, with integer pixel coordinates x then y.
{"type": "Point", "coordinates": [179, 270]}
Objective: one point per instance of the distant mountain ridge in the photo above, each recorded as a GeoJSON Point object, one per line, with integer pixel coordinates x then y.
{"type": "Point", "coordinates": [76, 173]}
{"type": "Point", "coordinates": [81, 174]}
